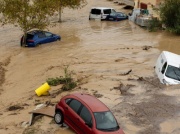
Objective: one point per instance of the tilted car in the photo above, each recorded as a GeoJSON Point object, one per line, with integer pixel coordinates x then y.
{"type": "Point", "coordinates": [85, 114]}
{"type": "Point", "coordinates": [38, 37]}
{"type": "Point", "coordinates": [117, 16]}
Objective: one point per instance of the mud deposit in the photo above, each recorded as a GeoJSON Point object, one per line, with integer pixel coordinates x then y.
{"type": "Point", "coordinates": [113, 61]}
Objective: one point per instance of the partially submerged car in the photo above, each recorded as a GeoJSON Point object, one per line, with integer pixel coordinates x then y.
{"type": "Point", "coordinates": [117, 16]}
{"type": "Point", "coordinates": [140, 17]}
{"type": "Point", "coordinates": [168, 68]}
{"type": "Point", "coordinates": [37, 37]}
{"type": "Point", "coordinates": [100, 12]}
{"type": "Point", "coordinates": [85, 114]}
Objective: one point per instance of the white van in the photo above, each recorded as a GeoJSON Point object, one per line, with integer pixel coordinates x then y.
{"type": "Point", "coordinates": [100, 12]}
{"type": "Point", "coordinates": [168, 68]}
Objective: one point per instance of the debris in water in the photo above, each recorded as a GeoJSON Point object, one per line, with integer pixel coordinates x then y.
{"type": "Point", "coordinates": [128, 72]}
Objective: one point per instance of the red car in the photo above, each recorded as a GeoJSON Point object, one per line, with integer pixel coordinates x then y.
{"type": "Point", "coordinates": [86, 115]}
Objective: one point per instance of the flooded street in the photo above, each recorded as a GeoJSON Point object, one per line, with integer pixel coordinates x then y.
{"type": "Point", "coordinates": [99, 53]}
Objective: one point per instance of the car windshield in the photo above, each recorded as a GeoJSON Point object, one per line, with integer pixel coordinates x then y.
{"type": "Point", "coordinates": [105, 121]}
{"type": "Point", "coordinates": [173, 72]}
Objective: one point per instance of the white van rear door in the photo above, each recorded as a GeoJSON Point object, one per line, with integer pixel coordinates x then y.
{"type": "Point", "coordinates": [95, 14]}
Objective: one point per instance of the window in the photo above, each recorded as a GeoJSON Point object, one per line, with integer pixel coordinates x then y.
{"type": "Point", "coordinates": [75, 105]}
{"type": "Point", "coordinates": [41, 35]}
{"type": "Point", "coordinates": [48, 34]}
{"type": "Point", "coordinates": [107, 11]}
{"type": "Point", "coordinates": [68, 100]}
{"type": "Point", "coordinates": [30, 36]}
{"type": "Point", "coordinates": [164, 68]}
{"type": "Point", "coordinates": [173, 72]}
{"type": "Point", "coordinates": [96, 11]}
{"type": "Point", "coordinates": [120, 15]}
{"type": "Point", "coordinates": [85, 115]}
{"type": "Point", "coordinates": [105, 121]}
{"type": "Point", "coordinates": [112, 14]}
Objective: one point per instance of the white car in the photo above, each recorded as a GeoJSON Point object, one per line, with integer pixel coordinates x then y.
{"type": "Point", "coordinates": [100, 12]}
{"type": "Point", "coordinates": [168, 68]}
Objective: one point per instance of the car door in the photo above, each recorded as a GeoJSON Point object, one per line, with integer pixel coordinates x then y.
{"type": "Point", "coordinates": [71, 113]}
{"type": "Point", "coordinates": [112, 16]}
{"type": "Point", "coordinates": [95, 13]}
{"type": "Point", "coordinates": [49, 37]}
{"type": "Point", "coordinates": [85, 120]}
{"type": "Point", "coordinates": [41, 38]}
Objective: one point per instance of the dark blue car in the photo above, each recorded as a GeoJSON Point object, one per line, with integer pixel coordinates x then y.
{"type": "Point", "coordinates": [116, 16]}
{"type": "Point", "coordinates": [38, 37]}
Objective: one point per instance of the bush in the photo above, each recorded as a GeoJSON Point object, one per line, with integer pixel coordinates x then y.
{"type": "Point", "coordinates": [154, 25]}
{"type": "Point", "coordinates": [170, 15]}
{"type": "Point", "coordinates": [69, 86]}
{"type": "Point", "coordinates": [67, 80]}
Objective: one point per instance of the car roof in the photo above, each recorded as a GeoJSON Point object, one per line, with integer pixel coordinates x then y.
{"type": "Point", "coordinates": [34, 32]}
{"type": "Point", "coordinates": [93, 103]}
{"type": "Point", "coordinates": [172, 58]}
{"type": "Point", "coordinates": [119, 12]}
{"type": "Point", "coordinates": [102, 8]}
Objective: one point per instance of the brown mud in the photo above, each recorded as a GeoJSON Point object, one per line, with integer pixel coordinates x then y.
{"type": "Point", "coordinates": [113, 61]}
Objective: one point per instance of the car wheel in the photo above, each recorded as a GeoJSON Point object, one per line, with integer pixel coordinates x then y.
{"type": "Point", "coordinates": [58, 117]}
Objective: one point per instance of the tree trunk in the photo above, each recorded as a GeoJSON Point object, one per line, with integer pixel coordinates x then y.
{"type": "Point", "coordinates": [23, 39]}
{"type": "Point", "coordinates": [60, 13]}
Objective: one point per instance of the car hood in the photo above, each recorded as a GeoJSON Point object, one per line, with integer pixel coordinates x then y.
{"type": "Point", "coordinates": [120, 131]}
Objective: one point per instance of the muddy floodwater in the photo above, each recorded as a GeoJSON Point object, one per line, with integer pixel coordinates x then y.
{"type": "Point", "coordinates": [113, 61]}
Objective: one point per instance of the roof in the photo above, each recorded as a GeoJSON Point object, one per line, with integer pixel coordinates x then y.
{"type": "Point", "coordinates": [93, 103]}
{"type": "Point", "coordinates": [34, 32]}
{"type": "Point", "coordinates": [102, 8]}
{"type": "Point", "coordinates": [172, 58]}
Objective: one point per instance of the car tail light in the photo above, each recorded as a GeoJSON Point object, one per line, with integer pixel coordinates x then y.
{"type": "Point", "coordinates": [30, 40]}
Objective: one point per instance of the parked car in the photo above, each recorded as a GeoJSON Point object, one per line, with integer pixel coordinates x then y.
{"type": "Point", "coordinates": [100, 12]}
{"type": "Point", "coordinates": [117, 16]}
{"type": "Point", "coordinates": [140, 17]}
{"type": "Point", "coordinates": [167, 68]}
{"type": "Point", "coordinates": [37, 37]}
{"type": "Point", "coordinates": [86, 115]}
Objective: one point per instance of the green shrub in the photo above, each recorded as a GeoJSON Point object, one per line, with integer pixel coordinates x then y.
{"type": "Point", "coordinates": [67, 80]}
{"type": "Point", "coordinates": [170, 15]}
{"type": "Point", "coordinates": [54, 81]}
{"type": "Point", "coordinates": [69, 86]}
{"type": "Point", "coordinates": [154, 25]}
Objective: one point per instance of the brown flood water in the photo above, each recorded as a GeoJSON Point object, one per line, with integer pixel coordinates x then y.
{"type": "Point", "coordinates": [99, 53]}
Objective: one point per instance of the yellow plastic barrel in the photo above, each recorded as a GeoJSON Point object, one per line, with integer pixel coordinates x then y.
{"type": "Point", "coordinates": [43, 90]}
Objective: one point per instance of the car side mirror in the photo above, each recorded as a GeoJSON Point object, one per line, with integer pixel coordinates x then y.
{"type": "Point", "coordinates": [88, 124]}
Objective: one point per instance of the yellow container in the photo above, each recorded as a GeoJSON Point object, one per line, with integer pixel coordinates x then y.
{"type": "Point", "coordinates": [42, 90]}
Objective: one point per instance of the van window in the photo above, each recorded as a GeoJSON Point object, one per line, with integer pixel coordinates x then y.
{"type": "Point", "coordinates": [173, 72]}
{"type": "Point", "coordinates": [96, 11]}
{"type": "Point", "coordinates": [107, 11]}
{"type": "Point", "coordinates": [164, 68]}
